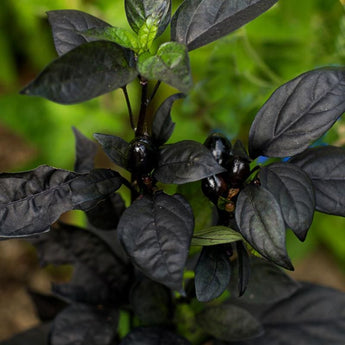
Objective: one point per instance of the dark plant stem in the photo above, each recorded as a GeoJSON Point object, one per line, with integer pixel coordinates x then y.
{"type": "Point", "coordinates": [130, 113]}
{"type": "Point", "coordinates": [142, 128]}
{"type": "Point", "coordinates": [155, 90]}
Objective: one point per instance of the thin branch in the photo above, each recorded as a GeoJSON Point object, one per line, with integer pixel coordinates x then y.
{"type": "Point", "coordinates": [155, 90]}
{"type": "Point", "coordinates": [130, 113]}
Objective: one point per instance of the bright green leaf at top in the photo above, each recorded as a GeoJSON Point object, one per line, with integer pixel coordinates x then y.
{"type": "Point", "coordinates": [170, 65]}
{"type": "Point", "coordinates": [215, 235]}
{"type": "Point", "coordinates": [147, 34]}
{"type": "Point", "coordinates": [138, 11]}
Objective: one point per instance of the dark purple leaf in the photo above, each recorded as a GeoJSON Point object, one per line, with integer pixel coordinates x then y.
{"type": "Point", "coordinates": [85, 72]}
{"type": "Point", "coordinates": [86, 151]}
{"type": "Point", "coordinates": [84, 325]}
{"type": "Point", "coordinates": [326, 168]}
{"type": "Point", "coordinates": [185, 161]}
{"type": "Point", "coordinates": [156, 233]}
{"type": "Point", "coordinates": [294, 191]}
{"type": "Point", "coordinates": [198, 22]}
{"type": "Point", "coordinates": [261, 223]}
{"type": "Point", "coordinates": [228, 322]}
{"type": "Point", "coordinates": [212, 273]}
{"type": "Point", "coordinates": [244, 270]}
{"type": "Point", "coordinates": [298, 113]}
{"type": "Point", "coordinates": [162, 126]}
{"type": "Point", "coordinates": [67, 26]}
{"type": "Point", "coordinates": [138, 11]}
{"type": "Point", "coordinates": [33, 200]}
{"type": "Point", "coordinates": [115, 147]}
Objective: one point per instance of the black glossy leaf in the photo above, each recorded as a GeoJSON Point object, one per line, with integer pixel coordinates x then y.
{"type": "Point", "coordinates": [106, 214]}
{"type": "Point", "coordinates": [156, 233]}
{"type": "Point", "coordinates": [228, 322]}
{"type": "Point", "coordinates": [298, 113]}
{"type": "Point", "coordinates": [115, 147]}
{"type": "Point", "coordinates": [38, 335]}
{"type": "Point", "coordinates": [294, 192]}
{"type": "Point", "coordinates": [151, 302]}
{"type": "Point", "coordinates": [157, 11]}
{"type": "Point", "coordinates": [313, 315]}
{"type": "Point", "coordinates": [261, 223]}
{"type": "Point", "coordinates": [162, 125]}
{"type": "Point", "coordinates": [153, 336]}
{"type": "Point", "coordinates": [198, 22]}
{"type": "Point", "coordinates": [244, 269]}
{"type": "Point", "coordinates": [86, 151]}
{"type": "Point", "coordinates": [325, 167]}
{"type": "Point", "coordinates": [212, 273]}
{"type": "Point", "coordinates": [99, 275]}
{"type": "Point", "coordinates": [170, 65]}
{"type": "Point", "coordinates": [67, 26]}
{"type": "Point", "coordinates": [268, 284]}
{"type": "Point", "coordinates": [84, 325]}
{"type": "Point", "coordinates": [85, 72]}
{"type": "Point", "coordinates": [185, 161]}
{"type": "Point", "coordinates": [31, 201]}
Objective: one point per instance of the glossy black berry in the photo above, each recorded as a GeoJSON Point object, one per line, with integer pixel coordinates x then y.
{"type": "Point", "coordinates": [220, 147]}
{"type": "Point", "coordinates": [213, 187]}
{"type": "Point", "coordinates": [238, 170]}
{"type": "Point", "coordinates": [141, 155]}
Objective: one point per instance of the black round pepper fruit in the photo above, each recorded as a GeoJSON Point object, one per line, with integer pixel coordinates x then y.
{"type": "Point", "coordinates": [220, 147]}
{"type": "Point", "coordinates": [238, 170]}
{"type": "Point", "coordinates": [213, 187]}
{"type": "Point", "coordinates": [141, 155]}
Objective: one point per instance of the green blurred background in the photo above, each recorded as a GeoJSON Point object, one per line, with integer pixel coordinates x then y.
{"type": "Point", "coordinates": [232, 77]}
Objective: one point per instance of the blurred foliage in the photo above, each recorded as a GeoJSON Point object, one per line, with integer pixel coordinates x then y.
{"type": "Point", "coordinates": [232, 79]}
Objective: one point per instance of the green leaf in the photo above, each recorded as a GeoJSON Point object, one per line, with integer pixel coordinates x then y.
{"type": "Point", "coordinates": [215, 235]}
{"type": "Point", "coordinates": [170, 64]}
{"type": "Point", "coordinates": [123, 37]}
{"type": "Point", "coordinates": [147, 34]}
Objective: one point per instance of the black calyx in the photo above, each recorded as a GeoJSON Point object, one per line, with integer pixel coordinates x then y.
{"type": "Point", "coordinates": [220, 147]}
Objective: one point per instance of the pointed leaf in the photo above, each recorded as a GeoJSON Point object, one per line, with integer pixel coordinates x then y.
{"type": "Point", "coordinates": [153, 336]}
{"type": "Point", "coordinates": [215, 235]}
{"type": "Point", "coordinates": [162, 125]}
{"type": "Point", "coordinates": [198, 22]}
{"type": "Point", "coordinates": [115, 147]}
{"type": "Point", "coordinates": [185, 161]}
{"type": "Point", "coordinates": [85, 72]}
{"type": "Point", "coordinates": [298, 113]}
{"type": "Point", "coordinates": [86, 151]}
{"type": "Point", "coordinates": [294, 192]}
{"type": "Point", "coordinates": [156, 233]}
{"type": "Point", "coordinates": [261, 223]}
{"type": "Point", "coordinates": [31, 201]}
{"type": "Point", "coordinates": [170, 65]}
{"type": "Point", "coordinates": [325, 167]}
{"type": "Point", "coordinates": [84, 325]}
{"type": "Point", "coordinates": [212, 273]}
{"type": "Point", "coordinates": [229, 323]}
{"type": "Point", "coordinates": [138, 11]}
{"type": "Point", "coordinates": [67, 26]}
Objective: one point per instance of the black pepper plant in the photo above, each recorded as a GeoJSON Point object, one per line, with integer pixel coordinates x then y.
{"type": "Point", "coordinates": [136, 280]}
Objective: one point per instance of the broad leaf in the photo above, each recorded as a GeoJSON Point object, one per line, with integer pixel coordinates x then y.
{"type": "Point", "coordinates": [261, 223]}
{"type": "Point", "coordinates": [158, 11]}
{"type": "Point", "coordinates": [156, 233]}
{"type": "Point", "coordinates": [298, 113]}
{"type": "Point", "coordinates": [170, 65]}
{"type": "Point", "coordinates": [198, 22]}
{"type": "Point", "coordinates": [294, 192]}
{"type": "Point", "coordinates": [215, 235]}
{"type": "Point", "coordinates": [153, 336]}
{"type": "Point", "coordinates": [229, 323]}
{"type": "Point", "coordinates": [99, 275]}
{"type": "Point", "coordinates": [185, 161]}
{"type": "Point", "coordinates": [151, 302]}
{"type": "Point", "coordinates": [85, 72]}
{"type": "Point", "coordinates": [325, 167]}
{"type": "Point", "coordinates": [86, 151]}
{"type": "Point", "coordinates": [67, 26]}
{"type": "Point", "coordinates": [31, 201]}
{"type": "Point", "coordinates": [313, 315]}
{"type": "Point", "coordinates": [212, 273]}
{"type": "Point", "coordinates": [162, 125]}
{"type": "Point", "coordinates": [115, 147]}
{"type": "Point", "coordinates": [84, 325]}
